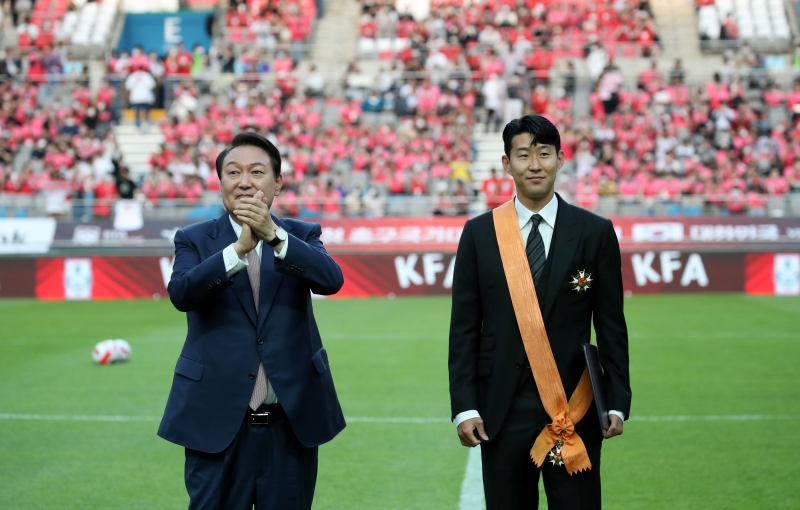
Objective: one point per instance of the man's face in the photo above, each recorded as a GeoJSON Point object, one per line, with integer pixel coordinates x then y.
{"type": "Point", "coordinates": [533, 167]}
{"type": "Point", "coordinates": [245, 171]}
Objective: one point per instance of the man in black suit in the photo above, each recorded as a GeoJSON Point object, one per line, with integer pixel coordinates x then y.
{"type": "Point", "coordinates": [494, 397]}
{"type": "Point", "coordinates": [252, 395]}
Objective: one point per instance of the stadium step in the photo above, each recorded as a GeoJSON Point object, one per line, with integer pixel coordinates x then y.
{"type": "Point", "coordinates": [336, 39]}
{"type": "Point", "coordinates": [155, 114]}
{"type": "Point", "coordinates": [677, 28]}
{"type": "Point", "coordinates": [488, 152]}
{"type": "Point", "coordinates": [137, 146]}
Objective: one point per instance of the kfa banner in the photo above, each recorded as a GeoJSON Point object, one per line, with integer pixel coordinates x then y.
{"type": "Point", "coordinates": [649, 272]}
{"type": "Point", "coordinates": [644, 272]}
{"type": "Point", "coordinates": [26, 235]}
{"type": "Point", "coordinates": [407, 274]}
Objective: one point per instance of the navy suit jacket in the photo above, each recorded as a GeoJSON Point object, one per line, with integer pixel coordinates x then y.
{"type": "Point", "coordinates": [226, 340]}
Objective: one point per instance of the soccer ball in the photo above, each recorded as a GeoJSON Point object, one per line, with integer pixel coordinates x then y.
{"type": "Point", "coordinates": [110, 351]}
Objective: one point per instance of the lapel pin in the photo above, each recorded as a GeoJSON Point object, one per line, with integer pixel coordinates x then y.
{"type": "Point", "coordinates": [581, 282]}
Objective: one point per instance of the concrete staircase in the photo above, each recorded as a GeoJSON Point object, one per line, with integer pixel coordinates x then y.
{"type": "Point", "coordinates": [489, 151]}
{"type": "Point", "coordinates": [136, 146]}
{"type": "Point", "coordinates": [677, 28]}
{"type": "Point", "coordinates": [335, 41]}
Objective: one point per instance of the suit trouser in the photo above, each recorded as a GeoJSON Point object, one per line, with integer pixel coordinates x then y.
{"type": "Point", "coordinates": [511, 479]}
{"type": "Point", "coordinates": [265, 466]}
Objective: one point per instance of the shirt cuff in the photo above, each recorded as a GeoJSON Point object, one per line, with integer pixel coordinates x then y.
{"type": "Point", "coordinates": [282, 254]}
{"type": "Point", "coordinates": [618, 413]}
{"type": "Point", "coordinates": [466, 415]}
{"type": "Point", "coordinates": [233, 263]}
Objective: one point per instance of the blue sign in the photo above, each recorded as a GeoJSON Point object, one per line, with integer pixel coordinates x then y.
{"type": "Point", "coordinates": [161, 31]}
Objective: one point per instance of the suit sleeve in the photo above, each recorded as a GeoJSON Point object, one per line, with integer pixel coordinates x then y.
{"type": "Point", "coordinates": [193, 280]}
{"type": "Point", "coordinates": [466, 318]}
{"type": "Point", "coordinates": [609, 323]}
{"type": "Point", "coordinates": [309, 261]}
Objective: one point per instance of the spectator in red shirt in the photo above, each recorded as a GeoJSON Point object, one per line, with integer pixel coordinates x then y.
{"type": "Point", "coordinates": [184, 60]}
{"type": "Point", "coordinates": [775, 183]}
{"type": "Point", "coordinates": [105, 192]}
{"type": "Point", "coordinates": [491, 188]}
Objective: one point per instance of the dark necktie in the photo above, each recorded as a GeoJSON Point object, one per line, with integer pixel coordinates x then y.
{"type": "Point", "coordinates": [254, 272]}
{"type": "Point", "coordinates": [535, 249]}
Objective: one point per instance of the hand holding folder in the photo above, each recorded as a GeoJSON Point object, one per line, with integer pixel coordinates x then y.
{"type": "Point", "coordinates": [598, 384]}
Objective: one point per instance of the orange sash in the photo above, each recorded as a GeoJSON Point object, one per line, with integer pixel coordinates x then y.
{"type": "Point", "coordinates": [540, 356]}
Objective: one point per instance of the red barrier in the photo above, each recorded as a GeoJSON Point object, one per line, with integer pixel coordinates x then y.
{"type": "Point", "coordinates": [407, 274]}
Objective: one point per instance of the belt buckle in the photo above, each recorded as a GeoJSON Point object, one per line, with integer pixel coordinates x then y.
{"type": "Point", "coordinates": [260, 418]}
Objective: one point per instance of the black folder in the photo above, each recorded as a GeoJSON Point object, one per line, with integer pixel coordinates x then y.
{"type": "Point", "coordinates": [598, 384]}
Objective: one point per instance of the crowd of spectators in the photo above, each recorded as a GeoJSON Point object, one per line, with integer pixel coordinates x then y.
{"type": "Point", "coordinates": [732, 140]}
{"type": "Point", "coordinates": [476, 31]}
{"type": "Point", "coordinates": [729, 142]}
{"type": "Point", "coordinates": [64, 150]}
{"type": "Point", "coordinates": [270, 26]}
{"type": "Point", "coordinates": [338, 159]}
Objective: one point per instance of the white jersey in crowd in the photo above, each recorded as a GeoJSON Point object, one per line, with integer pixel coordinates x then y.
{"type": "Point", "coordinates": [140, 84]}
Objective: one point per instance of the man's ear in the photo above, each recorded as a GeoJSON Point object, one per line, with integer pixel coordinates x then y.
{"type": "Point", "coordinates": [506, 164]}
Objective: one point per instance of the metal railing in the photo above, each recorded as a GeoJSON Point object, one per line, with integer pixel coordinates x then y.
{"type": "Point", "coordinates": [381, 205]}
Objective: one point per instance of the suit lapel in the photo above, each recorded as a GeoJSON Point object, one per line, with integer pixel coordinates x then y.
{"type": "Point", "coordinates": [270, 278]}
{"type": "Point", "coordinates": [222, 236]}
{"type": "Point", "coordinates": [562, 248]}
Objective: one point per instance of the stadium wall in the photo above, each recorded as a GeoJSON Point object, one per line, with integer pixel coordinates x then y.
{"type": "Point", "coordinates": [401, 257]}
{"type": "Point", "coordinates": [406, 274]}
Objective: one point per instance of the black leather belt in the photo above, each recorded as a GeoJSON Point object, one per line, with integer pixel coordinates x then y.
{"type": "Point", "coordinates": [266, 414]}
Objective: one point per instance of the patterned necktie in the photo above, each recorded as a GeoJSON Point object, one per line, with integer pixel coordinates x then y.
{"type": "Point", "coordinates": [254, 272]}
{"type": "Point", "coordinates": [535, 249]}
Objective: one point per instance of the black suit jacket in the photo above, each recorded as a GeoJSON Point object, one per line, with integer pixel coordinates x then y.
{"type": "Point", "coordinates": [487, 357]}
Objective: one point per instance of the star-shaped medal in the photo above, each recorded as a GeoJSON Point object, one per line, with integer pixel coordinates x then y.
{"type": "Point", "coordinates": [581, 282]}
{"type": "Point", "coordinates": [555, 457]}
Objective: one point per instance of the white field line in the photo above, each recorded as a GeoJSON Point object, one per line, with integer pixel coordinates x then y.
{"type": "Point", "coordinates": [379, 419]}
{"type": "Point", "coordinates": [472, 486]}
{"type": "Point", "coordinates": [374, 419]}
{"type": "Point", "coordinates": [719, 417]}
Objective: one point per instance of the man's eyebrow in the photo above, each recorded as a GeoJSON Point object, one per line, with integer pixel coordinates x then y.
{"type": "Point", "coordinates": [239, 164]}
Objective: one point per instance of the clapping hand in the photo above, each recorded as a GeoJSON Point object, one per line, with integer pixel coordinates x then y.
{"type": "Point", "coordinates": [254, 212]}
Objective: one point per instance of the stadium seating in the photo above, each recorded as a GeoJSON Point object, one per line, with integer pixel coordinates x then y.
{"type": "Point", "coordinates": [565, 29]}
{"type": "Point", "coordinates": [413, 135]}
{"type": "Point", "coordinates": [752, 20]}
{"type": "Point", "coordinates": [257, 23]}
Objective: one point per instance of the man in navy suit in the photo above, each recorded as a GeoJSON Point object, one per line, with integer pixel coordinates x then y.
{"type": "Point", "coordinates": [252, 396]}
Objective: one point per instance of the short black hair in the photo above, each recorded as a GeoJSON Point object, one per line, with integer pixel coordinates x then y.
{"type": "Point", "coordinates": [248, 138]}
{"type": "Point", "coordinates": [542, 130]}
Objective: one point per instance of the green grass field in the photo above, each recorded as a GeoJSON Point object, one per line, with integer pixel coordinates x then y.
{"type": "Point", "coordinates": [694, 356]}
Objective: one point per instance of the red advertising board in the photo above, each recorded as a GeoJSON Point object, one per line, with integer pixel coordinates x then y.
{"type": "Point", "coordinates": [17, 277]}
{"type": "Point", "coordinates": [404, 274]}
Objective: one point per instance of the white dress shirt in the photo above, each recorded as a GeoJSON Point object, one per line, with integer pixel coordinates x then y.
{"type": "Point", "coordinates": [546, 227]}
{"type": "Point", "coordinates": [234, 264]}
